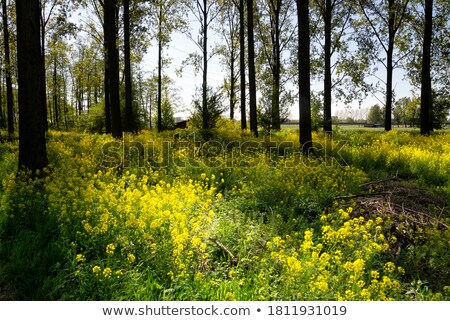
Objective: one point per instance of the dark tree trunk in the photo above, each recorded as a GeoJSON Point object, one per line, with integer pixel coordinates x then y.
{"type": "Point", "coordinates": [43, 77]}
{"type": "Point", "coordinates": [150, 112]}
{"type": "Point", "coordinates": [390, 71]}
{"type": "Point", "coordinates": [55, 93]}
{"type": "Point", "coordinates": [160, 49]}
{"type": "Point", "coordinates": [426, 100]}
{"type": "Point", "coordinates": [32, 149]}
{"type": "Point", "coordinates": [107, 98]}
{"type": "Point", "coordinates": [251, 69]}
{"type": "Point", "coordinates": [242, 62]}
{"type": "Point", "coordinates": [327, 125]}
{"type": "Point", "coordinates": [205, 118]}
{"type": "Point", "coordinates": [304, 68]}
{"type": "Point", "coordinates": [2, 114]}
{"type": "Point", "coordinates": [276, 68]}
{"type": "Point", "coordinates": [110, 20]}
{"type": "Point", "coordinates": [129, 119]}
{"type": "Point", "coordinates": [232, 85]}
{"type": "Point", "coordinates": [389, 66]}
{"type": "Point", "coordinates": [9, 92]}
{"type": "Point", "coordinates": [66, 124]}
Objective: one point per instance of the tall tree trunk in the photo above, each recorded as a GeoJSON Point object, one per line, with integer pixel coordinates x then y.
{"type": "Point", "coordinates": [110, 7]}
{"type": "Point", "coordinates": [32, 148]}
{"type": "Point", "coordinates": [426, 100]}
{"type": "Point", "coordinates": [276, 69]}
{"type": "Point", "coordinates": [43, 78]}
{"type": "Point", "coordinates": [232, 85]}
{"type": "Point", "coordinates": [9, 92]}
{"type": "Point", "coordinates": [66, 124]}
{"type": "Point", "coordinates": [55, 93]}
{"type": "Point", "coordinates": [242, 62]}
{"type": "Point", "coordinates": [304, 68]}
{"type": "Point", "coordinates": [390, 71]}
{"type": "Point", "coordinates": [327, 124]}
{"type": "Point", "coordinates": [251, 69]}
{"type": "Point", "coordinates": [129, 119]}
{"type": "Point", "coordinates": [205, 118]}
{"type": "Point", "coordinates": [107, 98]}
{"type": "Point", "coordinates": [160, 49]}
{"type": "Point", "coordinates": [389, 66]}
{"type": "Point", "coordinates": [2, 114]}
{"type": "Point", "coordinates": [150, 112]}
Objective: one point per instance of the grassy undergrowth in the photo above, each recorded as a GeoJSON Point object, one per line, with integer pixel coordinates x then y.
{"type": "Point", "coordinates": [169, 217]}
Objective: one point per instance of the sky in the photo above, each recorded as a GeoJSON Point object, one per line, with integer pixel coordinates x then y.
{"type": "Point", "coordinates": [181, 46]}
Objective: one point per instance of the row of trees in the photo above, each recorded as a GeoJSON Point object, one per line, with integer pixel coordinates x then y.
{"type": "Point", "coordinates": [271, 47]}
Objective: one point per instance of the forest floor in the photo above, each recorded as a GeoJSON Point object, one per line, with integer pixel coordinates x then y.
{"type": "Point", "coordinates": [187, 223]}
{"type": "Point", "coordinates": [5, 290]}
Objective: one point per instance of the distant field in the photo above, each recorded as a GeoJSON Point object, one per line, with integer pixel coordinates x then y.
{"type": "Point", "coordinates": [293, 127]}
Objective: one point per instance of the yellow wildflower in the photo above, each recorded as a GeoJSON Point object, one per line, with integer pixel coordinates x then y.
{"type": "Point", "coordinates": [131, 258]}
{"type": "Point", "coordinates": [107, 272]}
{"type": "Point", "coordinates": [110, 248]}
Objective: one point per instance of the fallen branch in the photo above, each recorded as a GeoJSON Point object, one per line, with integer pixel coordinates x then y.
{"type": "Point", "coordinates": [233, 258]}
{"type": "Point", "coordinates": [346, 197]}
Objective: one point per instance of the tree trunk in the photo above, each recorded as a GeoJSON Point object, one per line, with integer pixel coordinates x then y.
{"type": "Point", "coordinates": [276, 122]}
{"type": "Point", "coordinates": [304, 68]}
{"type": "Point", "coordinates": [327, 125]}
{"type": "Point", "coordinates": [251, 69]}
{"type": "Point", "coordinates": [205, 118]}
{"type": "Point", "coordinates": [32, 149]}
{"type": "Point", "coordinates": [160, 49]}
{"type": "Point", "coordinates": [9, 92]}
{"type": "Point", "coordinates": [66, 124]}
{"type": "Point", "coordinates": [389, 67]}
{"type": "Point", "coordinates": [55, 94]}
{"type": "Point", "coordinates": [107, 98]}
{"type": "Point", "coordinates": [426, 102]}
{"type": "Point", "coordinates": [2, 115]}
{"type": "Point", "coordinates": [232, 85]}
{"type": "Point", "coordinates": [43, 78]}
{"type": "Point", "coordinates": [110, 7]}
{"type": "Point", "coordinates": [129, 119]}
{"type": "Point", "coordinates": [242, 62]}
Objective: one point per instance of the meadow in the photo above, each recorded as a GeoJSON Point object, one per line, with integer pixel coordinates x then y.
{"type": "Point", "coordinates": [171, 217]}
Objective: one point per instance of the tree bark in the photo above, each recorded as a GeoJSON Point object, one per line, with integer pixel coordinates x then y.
{"type": "Point", "coordinates": [327, 125]}
{"type": "Point", "coordinates": [42, 64]}
{"type": "Point", "coordinates": [251, 69]}
{"type": "Point", "coordinates": [9, 92]}
{"type": "Point", "coordinates": [32, 148]}
{"type": "Point", "coordinates": [389, 66]}
{"type": "Point", "coordinates": [160, 62]}
{"type": "Point", "coordinates": [55, 93]}
{"type": "Point", "coordinates": [2, 115]}
{"type": "Point", "coordinates": [107, 98]}
{"type": "Point", "coordinates": [426, 100]}
{"type": "Point", "coordinates": [129, 119]}
{"type": "Point", "coordinates": [242, 62]}
{"type": "Point", "coordinates": [232, 86]}
{"type": "Point", "coordinates": [205, 117]}
{"type": "Point", "coordinates": [113, 65]}
{"type": "Point", "coordinates": [276, 68]}
{"type": "Point", "coordinates": [304, 68]}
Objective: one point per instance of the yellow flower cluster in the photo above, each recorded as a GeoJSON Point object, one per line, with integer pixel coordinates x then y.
{"type": "Point", "coordinates": [336, 264]}
{"type": "Point", "coordinates": [136, 211]}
